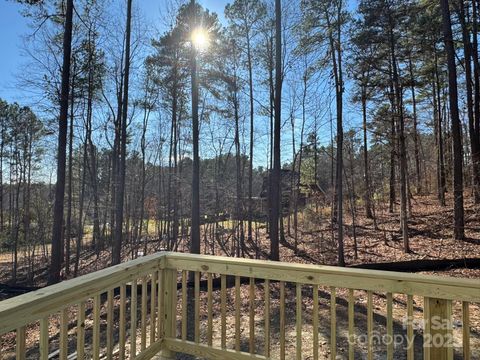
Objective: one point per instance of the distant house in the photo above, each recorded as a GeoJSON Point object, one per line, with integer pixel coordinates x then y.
{"type": "Point", "coordinates": [290, 179]}
{"type": "Point", "coordinates": [313, 191]}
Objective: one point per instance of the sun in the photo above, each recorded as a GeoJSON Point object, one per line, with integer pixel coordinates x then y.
{"type": "Point", "coordinates": [200, 39]}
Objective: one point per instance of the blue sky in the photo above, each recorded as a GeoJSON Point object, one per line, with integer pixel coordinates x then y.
{"type": "Point", "coordinates": [13, 26]}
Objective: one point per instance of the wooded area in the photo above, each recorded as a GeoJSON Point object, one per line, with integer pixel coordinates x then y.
{"type": "Point", "coordinates": [321, 131]}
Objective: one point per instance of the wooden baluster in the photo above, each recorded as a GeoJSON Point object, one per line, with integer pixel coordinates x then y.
{"type": "Point", "coordinates": [96, 327]}
{"type": "Point", "coordinates": [143, 319]}
{"type": "Point", "coordinates": [333, 323]}
{"type": "Point", "coordinates": [81, 331]}
{"type": "Point", "coordinates": [437, 339]}
{"type": "Point", "coordinates": [389, 326]}
{"type": "Point", "coordinates": [237, 313]}
{"type": "Point", "coordinates": [466, 330]}
{"type": "Point", "coordinates": [153, 301]}
{"type": "Point", "coordinates": [223, 310]}
{"type": "Point", "coordinates": [121, 322]}
{"type": "Point", "coordinates": [44, 337]}
{"type": "Point", "coordinates": [251, 343]}
{"type": "Point", "coordinates": [210, 310]}
{"type": "Point", "coordinates": [427, 336]}
{"type": "Point", "coordinates": [267, 317]}
{"type": "Point", "coordinates": [299, 320]}
{"type": "Point", "coordinates": [20, 343]}
{"type": "Point", "coordinates": [315, 322]}
{"type": "Point", "coordinates": [369, 325]}
{"type": "Point", "coordinates": [197, 307]}
{"type": "Point", "coordinates": [133, 319]}
{"type": "Point", "coordinates": [110, 324]}
{"type": "Point", "coordinates": [169, 281]}
{"type": "Point", "coordinates": [161, 307]}
{"type": "Point", "coordinates": [282, 320]}
{"type": "Point", "coordinates": [184, 305]}
{"type": "Point", "coordinates": [175, 301]}
{"type": "Point", "coordinates": [63, 345]}
{"type": "Point", "coordinates": [410, 338]}
{"type": "Point", "coordinates": [351, 324]}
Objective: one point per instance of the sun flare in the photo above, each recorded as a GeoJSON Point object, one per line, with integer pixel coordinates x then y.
{"type": "Point", "coordinates": [200, 39]}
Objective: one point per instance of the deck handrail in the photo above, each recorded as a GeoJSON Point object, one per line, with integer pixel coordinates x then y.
{"type": "Point", "coordinates": [159, 298]}
{"type": "Point", "coordinates": [23, 309]}
{"type": "Point", "coordinates": [445, 287]}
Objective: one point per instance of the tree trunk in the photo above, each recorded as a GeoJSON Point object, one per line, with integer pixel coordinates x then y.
{"type": "Point", "coordinates": [143, 181]}
{"type": "Point", "coordinates": [195, 229]}
{"type": "Point", "coordinates": [56, 261]}
{"type": "Point", "coordinates": [176, 193]}
{"type": "Point", "coordinates": [68, 230]}
{"type": "Point", "coordinates": [401, 141]}
{"type": "Point", "coordinates": [440, 154]}
{"type": "Point", "coordinates": [91, 148]}
{"type": "Point", "coordinates": [393, 135]}
{"type": "Point", "coordinates": [353, 196]}
{"type": "Point", "coordinates": [275, 179]}
{"type": "Point", "coordinates": [120, 192]}
{"type": "Point", "coordinates": [475, 129]}
{"type": "Point", "coordinates": [81, 201]}
{"type": "Point", "coordinates": [16, 216]}
{"type": "Point", "coordinates": [171, 170]}
{"type": "Point", "coordinates": [293, 187]}
{"type": "Point", "coordinates": [418, 176]}
{"type": "Point", "coordinates": [239, 213]}
{"type": "Point", "coordinates": [366, 171]}
{"type": "Point", "coordinates": [474, 140]}
{"type": "Point", "coordinates": [250, 164]}
{"type": "Point", "coordinates": [459, 231]}
{"type": "Point", "coordinates": [336, 54]}
{"type": "Point", "coordinates": [300, 153]}
{"type": "Point", "coordinates": [27, 193]}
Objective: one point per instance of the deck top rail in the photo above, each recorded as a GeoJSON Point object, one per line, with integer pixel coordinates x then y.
{"type": "Point", "coordinates": [444, 287]}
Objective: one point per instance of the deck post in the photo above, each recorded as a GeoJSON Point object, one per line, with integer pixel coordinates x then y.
{"type": "Point", "coordinates": [437, 336]}
{"type": "Point", "coordinates": [170, 310]}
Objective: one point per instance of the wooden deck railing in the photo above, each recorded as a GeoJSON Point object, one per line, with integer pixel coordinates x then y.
{"type": "Point", "coordinates": [228, 308]}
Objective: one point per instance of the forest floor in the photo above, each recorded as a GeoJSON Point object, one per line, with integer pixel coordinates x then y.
{"type": "Point", "coordinates": [431, 238]}
{"type": "Point", "coordinates": [430, 233]}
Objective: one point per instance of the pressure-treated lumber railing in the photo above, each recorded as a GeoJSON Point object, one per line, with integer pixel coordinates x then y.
{"type": "Point", "coordinates": [226, 308]}
{"type": "Point", "coordinates": [87, 317]}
